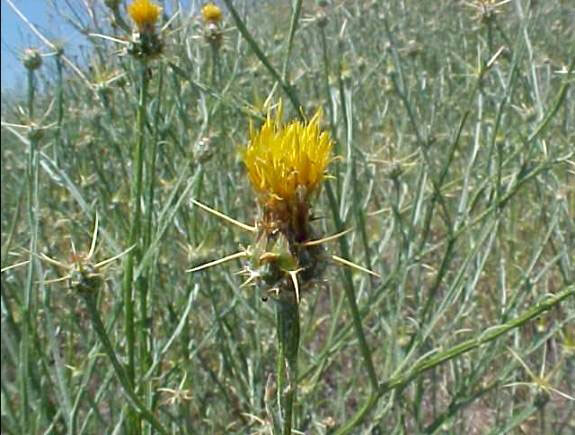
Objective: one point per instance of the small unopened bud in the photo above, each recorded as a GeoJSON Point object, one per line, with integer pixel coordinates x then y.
{"type": "Point", "coordinates": [346, 75]}
{"type": "Point", "coordinates": [321, 19]}
{"type": "Point", "coordinates": [395, 171]}
{"type": "Point", "coordinates": [32, 59]}
{"type": "Point", "coordinates": [213, 34]}
{"type": "Point", "coordinates": [35, 133]}
{"type": "Point", "coordinates": [59, 50]}
{"type": "Point", "coordinates": [85, 278]}
{"type": "Point", "coordinates": [203, 150]}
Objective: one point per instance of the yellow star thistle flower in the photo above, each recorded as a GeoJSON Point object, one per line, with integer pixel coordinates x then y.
{"type": "Point", "coordinates": [286, 163]}
{"type": "Point", "coordinates": [211, 13]}
{"type": "Point", "coordinates": [145, 14]}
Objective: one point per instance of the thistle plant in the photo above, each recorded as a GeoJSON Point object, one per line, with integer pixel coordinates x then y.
{"type": "Point", "coordinates": [86, 278]}
{"type": "Point", "coordinates": [32, 61]}
{"type": "Point", "coordinates": [286, 164]}
{"type": "Point", "coordinates": [146, 42]}
{"type": "Point", "coordinates": [213, 34]}
{"type": "Point", "coordinates": [430, 142]}
{"type": "Point", "coordinates": [146, 45]}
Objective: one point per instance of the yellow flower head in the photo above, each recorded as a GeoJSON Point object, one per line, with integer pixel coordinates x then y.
{"type": "Point", "coordinates": [211, 13]}
{"type": "Point", "coordinates": [286, 163]}
{"type": "Point", "coordinates": [145, 14]}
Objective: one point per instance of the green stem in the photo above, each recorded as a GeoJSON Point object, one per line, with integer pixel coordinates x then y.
{"type": "Point", "coordinates": [146, 280]}
{"type": "Point", "coordinates": [296, 7]}
{"type": "Point", "coordinates": [350, 293]}
{"type": "Point", "coordinates": [288, 331]}
{"type": "Point", "coordinates": [59, 108]}
{"type": "Point", "coordinates": [31, 93]}
{"type": "Point", "coordinates": [121, 373]}
{"type": "Point", "coordinates": [490, 334]}
{"type": "Point", "coordinates": [32, 178]}
{"type": "Point", "coordinates": [215, 64]}
{"type": "Point", "coordinates": [555, 107]}
{"type": "Point", "coordinates": [356, 317]}
{"type": "Point", "coordinates": [135, 225]}
{"type": "Point", "coordinates": [134, 256]}
{"type": "Point", "coordinates": [288, 89]}
{"type": "Point", "coordinates": [326, 71]}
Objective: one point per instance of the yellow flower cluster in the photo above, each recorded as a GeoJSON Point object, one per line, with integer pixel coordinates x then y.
{"type": "Point", "coordinates": [286, 163]}
{"type": "Point", "coordinates": [211, 13]}
{"type": "Point", "coordinates": [145, 14]}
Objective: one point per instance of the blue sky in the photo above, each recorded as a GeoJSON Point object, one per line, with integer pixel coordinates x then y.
{"type": "Point", "coordinates": [16, 35]}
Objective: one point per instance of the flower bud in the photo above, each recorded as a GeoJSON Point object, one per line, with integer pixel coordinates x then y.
{"type": "Point", "coordinates": [32, 59]}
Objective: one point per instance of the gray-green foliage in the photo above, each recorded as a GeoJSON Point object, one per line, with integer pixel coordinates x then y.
{"type": "Point", "coordinates": [455, 124]}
